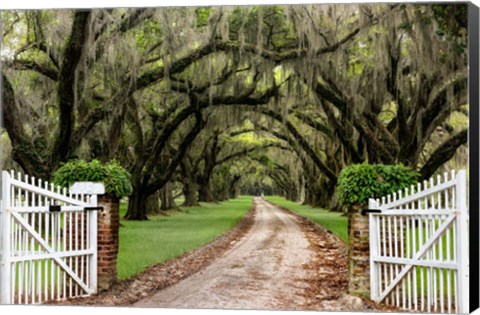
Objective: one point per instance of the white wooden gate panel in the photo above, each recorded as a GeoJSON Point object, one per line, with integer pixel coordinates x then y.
{"type": "Point", "coordinates": [419, 246]}
{"type": "Point", "coordinates": [45, 255]}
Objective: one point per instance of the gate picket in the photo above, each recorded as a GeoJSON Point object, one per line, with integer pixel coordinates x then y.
{"type": "Point", "coordinates": [45, 255]}
{"type": "Point", "coordinates": [418, 246]}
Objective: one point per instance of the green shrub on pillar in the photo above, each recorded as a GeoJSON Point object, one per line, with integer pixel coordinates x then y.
{"type": "Point", "coordinates": [356, 184]}
{"type": "Point", "coordinates": [115, 178]}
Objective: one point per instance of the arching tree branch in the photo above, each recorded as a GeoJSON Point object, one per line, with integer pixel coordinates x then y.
{"type": "Point", "coordinates": [443, 153]}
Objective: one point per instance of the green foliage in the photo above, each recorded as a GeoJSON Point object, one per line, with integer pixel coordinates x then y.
{"type": "Point", "coordinates": [148, 35]}
{"type": "Point", "coordinates": [114, 176]}
{"type": "Point", "coordinates": [451, 18]}
{"type": "Point", "coordinates": [203, 15]}
{"type": "Point", "coordinates": [359, 182]}
{"type": "Point", "coordinates": [267, 162]}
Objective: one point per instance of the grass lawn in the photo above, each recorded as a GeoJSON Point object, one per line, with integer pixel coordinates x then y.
{"type": "Point", "coordinates": [335, 222]}
{"type": "Point", "coordinates": [144, 243]}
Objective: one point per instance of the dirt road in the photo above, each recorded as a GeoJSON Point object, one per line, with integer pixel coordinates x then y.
{"type": "Point", "coordinates": [273, 259]}
{"type": "Point", "coordinates": [264, 270]}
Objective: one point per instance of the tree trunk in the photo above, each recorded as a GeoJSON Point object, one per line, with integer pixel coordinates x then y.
{"type": "Point", "coordinates": [224, 192]}
{"type": "Point", "coordinates": [153, 204]}
{"type": "Point", "coordinates": [137, 205]}
{"type": "Point", "coordinates": [166, 197]}
{"type": "Point", "coordinates": [308, 200]}
{"type": "Point", "coordinates": [67, 84]}
{"type": "Point", "coordinates": [205, 192]}
{"type": "Point", "coordinates": [190, 193]}
{"type": "Point", "coordinates": [302, 189]}
{"type": "Point", "coordinates": [292, 194]}
{"type": "Point", "coordinates": [324, 195]}
{"type": "Point", "coordinates": [233, 189]}
{"type": "Point", "coordinates": [314, 195]}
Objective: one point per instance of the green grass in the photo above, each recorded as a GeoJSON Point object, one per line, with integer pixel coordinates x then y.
{"type": "Point", "coordinates": [144, 243]}
{"type": "Point", "coordinates": [335, 222]}
{"type": "Point", "coordinates": [179, 201]}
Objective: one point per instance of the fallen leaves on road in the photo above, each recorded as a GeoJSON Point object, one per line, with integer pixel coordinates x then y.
{"type": "Point", "coordinates": [328, 273]}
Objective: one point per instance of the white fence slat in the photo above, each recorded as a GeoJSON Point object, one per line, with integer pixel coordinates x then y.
{"type": "Point", "coordinates": [77, 271]}
{"type": "Point", "coordinates": [70, 284]}
{"type": "Point", "coordinates": [82, 246]}
{"type": "Point", "coordinates": [395, 237]}
{"type": "Point", "coordinates": [390, 249]}
{"type": "Point", "coordinates": [434, 270]}
{"type": "Point", "coordinates": [384, 253]}
{"type": "Point", "coordinates": [408, 240]}
{"type": "Point", "coordinates": [59, 242]}
{"type": "Point", "coordinates": [449, 273]}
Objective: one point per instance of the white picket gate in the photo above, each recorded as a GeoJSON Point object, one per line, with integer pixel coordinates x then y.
{"type": "Point", "coordinates": [419, 246]}
{"type": "Point", "coordinates": [48, 242]}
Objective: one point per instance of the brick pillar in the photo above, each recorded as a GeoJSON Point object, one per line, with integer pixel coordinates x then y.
{"type": "Point", "coordinates": [108, 225]}
{"type": "Point", "coordinates": [358, 253]}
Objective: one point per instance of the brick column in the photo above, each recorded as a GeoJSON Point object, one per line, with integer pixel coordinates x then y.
{"type": "Point", "coordinates": [358, 253]}
{"type": "Point", "coordinates": [108, 225]}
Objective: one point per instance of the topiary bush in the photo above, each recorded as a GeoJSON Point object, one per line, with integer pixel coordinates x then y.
{"type": "Point", "coordinates": [115, 178]}
{"type": "Point", "coordinates": [359, 182]}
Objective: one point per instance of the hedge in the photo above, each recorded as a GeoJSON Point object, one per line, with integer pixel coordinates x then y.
{"type": "Point", "coordinates": [115, 178]}
{"type": "Point", "coordinates": [359, 182]}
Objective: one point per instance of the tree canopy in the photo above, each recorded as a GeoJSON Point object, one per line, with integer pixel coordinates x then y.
{"type": "Point", "coordinates": [210, 102]}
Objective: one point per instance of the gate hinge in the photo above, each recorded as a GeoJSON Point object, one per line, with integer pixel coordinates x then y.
{"type": "Point", "coordinates": [93, 208]}
{"type": "Point", "coordinates": [365, 211]}
{"type": "Point", "coordinates": [54, 208]}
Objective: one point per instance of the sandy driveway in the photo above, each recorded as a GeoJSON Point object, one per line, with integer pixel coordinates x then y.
{"type": "Point", "coordinates": [263, 270]}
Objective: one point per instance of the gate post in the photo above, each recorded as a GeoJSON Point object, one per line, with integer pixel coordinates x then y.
{"type": "Point", "coordinates": [358, 252]}
{"type": "Point", "coordinates": [108, 227]}
{"type": "Point", "coordinates": [374, 275]}
{"type": "Point", "coordinates": [93, 245]}
{"type": "Point", "coordinates": [5, 269]}
{"type": "Point", "coordinates": [462, 243]}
